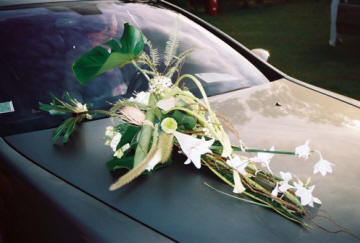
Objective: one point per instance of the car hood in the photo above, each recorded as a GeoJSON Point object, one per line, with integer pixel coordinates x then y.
{"type": "Point", "coordinates": [175, 200]}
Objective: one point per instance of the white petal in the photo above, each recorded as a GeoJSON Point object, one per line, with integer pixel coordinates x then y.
{"type": "Point", "coordinates": [188, 161]}
{"type": "Point", "coordinates": [286, 176]}
{"type": "Point", "coordinates": [115, 141]}
{"type": "Point", "coordinates": [142, 97]}
{"type": "Point", "coordinates": [154, 160]}
{"type": "Point", "coordinates": [284, 187]}
{"type": "Point", "coordinates": [238, 187]}
{"type": "Point", "coordinates": [316, 200]}
{"type": "Point", "coordinates": [275, 192]}
{"type": "Point", "coordinates": [166, 104]}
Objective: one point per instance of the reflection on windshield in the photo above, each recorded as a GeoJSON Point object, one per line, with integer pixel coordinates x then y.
{"type": "Point", "coordinates": [42, 43]}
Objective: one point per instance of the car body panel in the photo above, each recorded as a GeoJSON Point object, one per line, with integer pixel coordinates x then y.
{"type": "Point", "coordinates": [42, 206]}
{"type": "Point", "coordinates": [175, 200]}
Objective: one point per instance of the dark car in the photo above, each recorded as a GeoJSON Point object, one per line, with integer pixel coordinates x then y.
{"type": "Point", "coordinates": [59, 192]}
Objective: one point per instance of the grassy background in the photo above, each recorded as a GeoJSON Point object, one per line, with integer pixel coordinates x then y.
{"type": "Point", "coordinates": [297, 34]}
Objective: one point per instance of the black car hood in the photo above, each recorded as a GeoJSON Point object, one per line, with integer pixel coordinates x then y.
{"type": "Point", "coordinates": [175, 200]}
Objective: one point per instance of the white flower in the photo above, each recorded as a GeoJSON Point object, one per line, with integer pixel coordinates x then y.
{"type": "Point", "coordinates": [283, 185]}
{"type": "Point", "coordinates": [80, 107]}
{"type": "Point", "coordinates": [159, 83]}
{"type": "Point", "coordinates": [119, 153]}
{"type": "Point", "coordinates": [238, 164]}
{"type": "Point", "coordinates": [115, 141]}
{"type": "Point", "coordinates": [193, 147]}
{"type": "Point", "coordinates": [154, 160]}
{"type": "Point", "coordinates": [238, 187]}
{"type": "Point", "coordinates": [141, 97]}
{"type": "Point", "coordinates": [303, 151]}
{"type": "Point", "coordinates": [264, 159]}
{"type": "Point", "coordinates": [110, 131]}
{"type": "Point", "coordinates": [323, 166]}
{"type": "Point", "coordinates": [305, 194]}
{"type": "Point", "coordinates": [166, 104]}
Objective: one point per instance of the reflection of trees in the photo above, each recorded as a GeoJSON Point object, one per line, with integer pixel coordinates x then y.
{"type": "Point", "coordinates": [300, 102]}
{"type": "Point", "coordinates": [225, 108]}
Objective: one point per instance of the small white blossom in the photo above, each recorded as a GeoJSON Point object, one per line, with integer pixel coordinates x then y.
{"type": "Point", "coordinates": [141, 97]}
{"type": "Point", "coordinates": [119, 153]}
{"type": "Point", "coordinates": [264, 159]}
{"type": "Point", "coordinates": [238, 186]}
{"type": "Point", "coordinates": [125, 147]}
{"type": "Point", "coordinates": [238, 164]}
{"type": "Point", "coordinates": [303, 151]}
{"type": "Point", "coordinates": [115, 141]}
{"type": "Point", "coordinates": [80, 107]}
{"type": "Point", "coordinates": [166, 104]}
{"type": "Point", "coordinates": [159, 83]}
{"type": "Point", "coordinates": [323, 166]}
{"type": "Point", "coordinates": [193, 147]}
{"type": "Point", "coordinates": [305, 194]}
{"type": "Point", "coordinates": [110, 131]}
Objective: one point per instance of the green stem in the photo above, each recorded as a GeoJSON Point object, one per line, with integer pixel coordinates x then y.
{"type": "Point", "coordinates": [235, 148]}
{"type": "Point", "coordinates": [219, 131]}
{"type": "Point", "coordinates": [140, 70]}
{"type": "Point", "coordinates": [146, 133]}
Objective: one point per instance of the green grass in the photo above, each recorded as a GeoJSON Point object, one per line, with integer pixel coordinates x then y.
{"type": "Point", "coordinates": [297, 34]}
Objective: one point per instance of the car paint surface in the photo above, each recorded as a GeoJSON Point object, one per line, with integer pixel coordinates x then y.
{"type": "Point", "coordinates": [175, 200]}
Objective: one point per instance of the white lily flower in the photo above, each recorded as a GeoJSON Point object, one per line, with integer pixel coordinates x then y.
{"type": "Point", "coordinates": [115, 141]}
{"type": "Point", "coordinates": [193, 147]}
{"type": "Point", "coordinates": [166, 104]}
{"type": "Point", "coordinates": [283, 185]}
{"type": "Point", "coordinates": [141, 97]}
{"type": "Point", "coordinates": [264, 159]}
{"type": "Point", "coordinates": [305, 194]}
{"type": "Point", "coordinates": [238, 164]}
{"type": "Point", "coordinates": [323, 166]}
{"type": "Point", "coordinates": [303, 151]}
{"type": "Point", "coordinates": [238, 187]}
{"type": "Point", "coordinates": [154, 160]}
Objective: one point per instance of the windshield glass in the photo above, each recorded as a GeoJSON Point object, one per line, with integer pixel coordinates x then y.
{"type": "Point", "coordinates": [39, 45]}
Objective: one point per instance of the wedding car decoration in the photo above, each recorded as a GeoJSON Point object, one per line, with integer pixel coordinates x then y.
{"type": "Point", "coordinates": [168, 117]}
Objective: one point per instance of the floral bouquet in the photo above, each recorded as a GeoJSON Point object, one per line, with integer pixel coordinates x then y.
{"type": "Point", "coordinates": [169, 117]}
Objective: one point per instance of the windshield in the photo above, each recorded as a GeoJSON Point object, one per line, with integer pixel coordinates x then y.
{"type": "Point", "coordinates": [39, 45]}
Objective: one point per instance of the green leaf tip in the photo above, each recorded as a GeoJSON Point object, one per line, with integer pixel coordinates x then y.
{"type": "Point", "coordinates": [99, 59]}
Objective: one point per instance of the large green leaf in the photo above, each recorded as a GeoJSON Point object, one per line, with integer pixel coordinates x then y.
{"type": "Point", "coordinates": [99, 59]}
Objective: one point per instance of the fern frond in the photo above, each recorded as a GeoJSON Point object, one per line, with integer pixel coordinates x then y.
{"type": "Point", "coordinates": [155, 57]}
{"type": "Point", "coordinates": [171, 45]}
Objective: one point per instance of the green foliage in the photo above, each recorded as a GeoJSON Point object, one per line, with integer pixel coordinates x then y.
{"type": "Point", "coordinates": [128, 135]}
{"type": "Point", "coordinates": [60, 107]}
{"type": "Point", "coordinates": [185, 122]}
{"type": "Point", "coordinates": [67, 128]}
{"type": "Point", "coordinates": [123, 163]}
{"type": "Point", "coordinates": [99, 60]}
